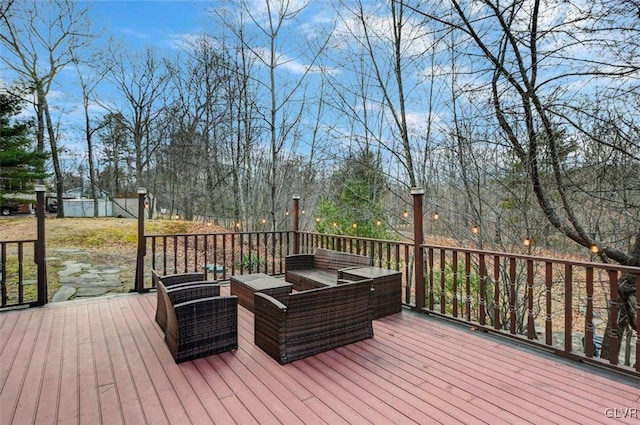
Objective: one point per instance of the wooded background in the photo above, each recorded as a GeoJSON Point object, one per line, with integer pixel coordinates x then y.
{"type": "Point", "coordinates": [519, 117]}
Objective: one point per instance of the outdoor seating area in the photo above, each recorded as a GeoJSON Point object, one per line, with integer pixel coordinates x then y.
{"type": "Point", "coordinates": [288, 327]}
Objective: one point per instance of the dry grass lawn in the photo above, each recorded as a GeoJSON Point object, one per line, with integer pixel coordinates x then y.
{"type": "Point", "coordinates": [97, 241]}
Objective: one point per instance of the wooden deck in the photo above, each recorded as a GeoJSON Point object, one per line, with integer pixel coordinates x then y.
{"type": "Point", "coordinates": [104, 361]}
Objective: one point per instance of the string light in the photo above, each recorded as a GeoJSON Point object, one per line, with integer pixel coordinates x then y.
{"type": "Point", "coordinates": [436, 216]}
{"type": "Point", "coordinates": [405, 214]}
{"type": "Point", "coordinates": [317, 219]}
{"type": "Point", "coordinates": [286, 212]}
{"type": "Point", "coordinates": [527, 241]}
{"type": "Point", "coordinates": [378, 223]}
{"type": "Point", "coordinates": [354, 225]}
{"type": "Point", "coordinates": [264, 221]}
{"type": "Point", "coordinates": [475, 229]}
{"type": "Point", "coordinates": [594, 248]}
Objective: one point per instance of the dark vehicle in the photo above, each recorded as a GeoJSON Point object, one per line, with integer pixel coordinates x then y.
{"type": "Point", "coordinates": [8, 208]}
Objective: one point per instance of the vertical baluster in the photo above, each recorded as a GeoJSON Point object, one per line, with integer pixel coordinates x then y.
{"type": "Point", "coordinates": [483, 289]}
{"type": "Point", "coordinates": [613, 317]}
{"type": "Point", "coordinates": [531, 331]}
{"type": "Point", "coordinates": [454, 265]}
{"type": "Point", "coordinates": [175, 254]}
{"type": "Point", "coordinates": [224, 254]}
{"type": "Point", "coordinates": [3, 280]}
{"type": "Point", "coordinates": [568, 308]}
{"type": "Point", "coordinates": [467, 283]}
{"type": "Point", "coordinates": [206, 256]}
{"type": "Point", "coordinates": [431, 278]}
{"type": "Point", "coordinates": [215, 258]}
{"type": "Point", "coordinates": [443, 298]}
{"type": "Point", "coordinates": [548, 322]}
{"type": "Point", "coordinates": [251, 254]}
{"type": "Point", "coordinates": [164, 255]}
{"type": "Point", "coordinates": [275, 242]}
{"type": "Point", "coordinates": [406, 269]}
{"type": "Point", "coordinates": [233, 253]}
{"type": "Point", "coordinates": [588, 327]}
{"type": "Point", "coordinates": [512, 296]}
{"type": "Point", "coordinates": [186, 253]}
{"type": "Point", "coordinates": [496, 292]}
{"type": "Point", "coordinates": [153, 253]}
{"type": "Point", "coordinates": [20, 272]}
{"type": "Point", "coordinates": [195, 249]}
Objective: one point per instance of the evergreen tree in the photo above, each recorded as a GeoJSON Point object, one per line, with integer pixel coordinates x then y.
{"type": "Point", "coordinates": [356, 206]}
{"type": "Point", "coordinates": [20, 163]}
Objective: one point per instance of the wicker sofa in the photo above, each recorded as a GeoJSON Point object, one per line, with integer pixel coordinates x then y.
{"type": "Point", "coordinates": [320, 269]}
{"type": "Point", "coordinates": [313, 321]}
{"type": "Point", "coordinates": [199, 323]}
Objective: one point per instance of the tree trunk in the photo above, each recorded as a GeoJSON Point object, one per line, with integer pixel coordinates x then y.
{"type": "Point", "coordinates": [42, 99]}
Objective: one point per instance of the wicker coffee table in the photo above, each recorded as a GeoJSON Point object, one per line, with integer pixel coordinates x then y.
{"type": "Point", "coordinates": [245, 285]}
{"type": "Point", "coordinates": [387, 284]}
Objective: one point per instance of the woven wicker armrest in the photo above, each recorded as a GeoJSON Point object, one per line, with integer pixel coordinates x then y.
{"type": "Point", "coordinates": [192, 291]}
{"type": "Point", "coordinates": [298, 261]}
{"type": "Point", "coordinates": [182, 292]}
{"type": "Point", "coordinates": [174, 279]}
{"type": "Point", "coordinates": [270, 325]}
{"type": "Point", "coordinates": [202, 327]}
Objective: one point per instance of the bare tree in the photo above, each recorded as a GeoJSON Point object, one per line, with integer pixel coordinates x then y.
{"type": "Point", "coordinates": [40, 39]}
{"type": "Point", "coordinates": [393, 47]}
{"type": "Point", "coordinates": [142, 81]}
{"type": "Point", "coordinates": [283, 83]}
{"type": "Point", "coordinates": [555, 74]}
{"type": "Point", "coordinates": [88, 83]}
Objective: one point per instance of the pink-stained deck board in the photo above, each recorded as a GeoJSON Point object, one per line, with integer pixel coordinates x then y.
{"type": "Point", "coordinates": [104, 361]}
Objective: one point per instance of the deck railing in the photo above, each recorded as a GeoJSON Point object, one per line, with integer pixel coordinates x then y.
{"type": "Point", "coordinates": [560, 305]}
{"type": "Point", "coordinates": [568, 307]}
{"type": "Point", "coordinates": [218, 255]}
{"type": "Point", "coordinates": [18, 273]}
{"type": "Point", "coordinates": [23, 267]}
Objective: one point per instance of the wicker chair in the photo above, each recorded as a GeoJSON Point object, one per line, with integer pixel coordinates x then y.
{"type": "Point", "coordinates": [199, 324]}
{"type": "Point", "coordinates": [169, 281]}
{"type": "Point", "coordinates": [313, 321]}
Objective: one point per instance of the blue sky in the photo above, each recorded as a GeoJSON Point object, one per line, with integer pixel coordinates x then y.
{"type": "Point", "coordinates": [162, 24]}
{"type": "Point", "coordinates": [149, 22]}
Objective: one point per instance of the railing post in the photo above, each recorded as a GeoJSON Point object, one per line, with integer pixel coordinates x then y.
{"type": "Point", "coordinates": [40, 250]}
{"type": "Point", "coordinates": [142, 248]}
{"type": "Point", "coordinates": [418, 240]}
{"type": "Point", "coordinates": [296, 224]}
